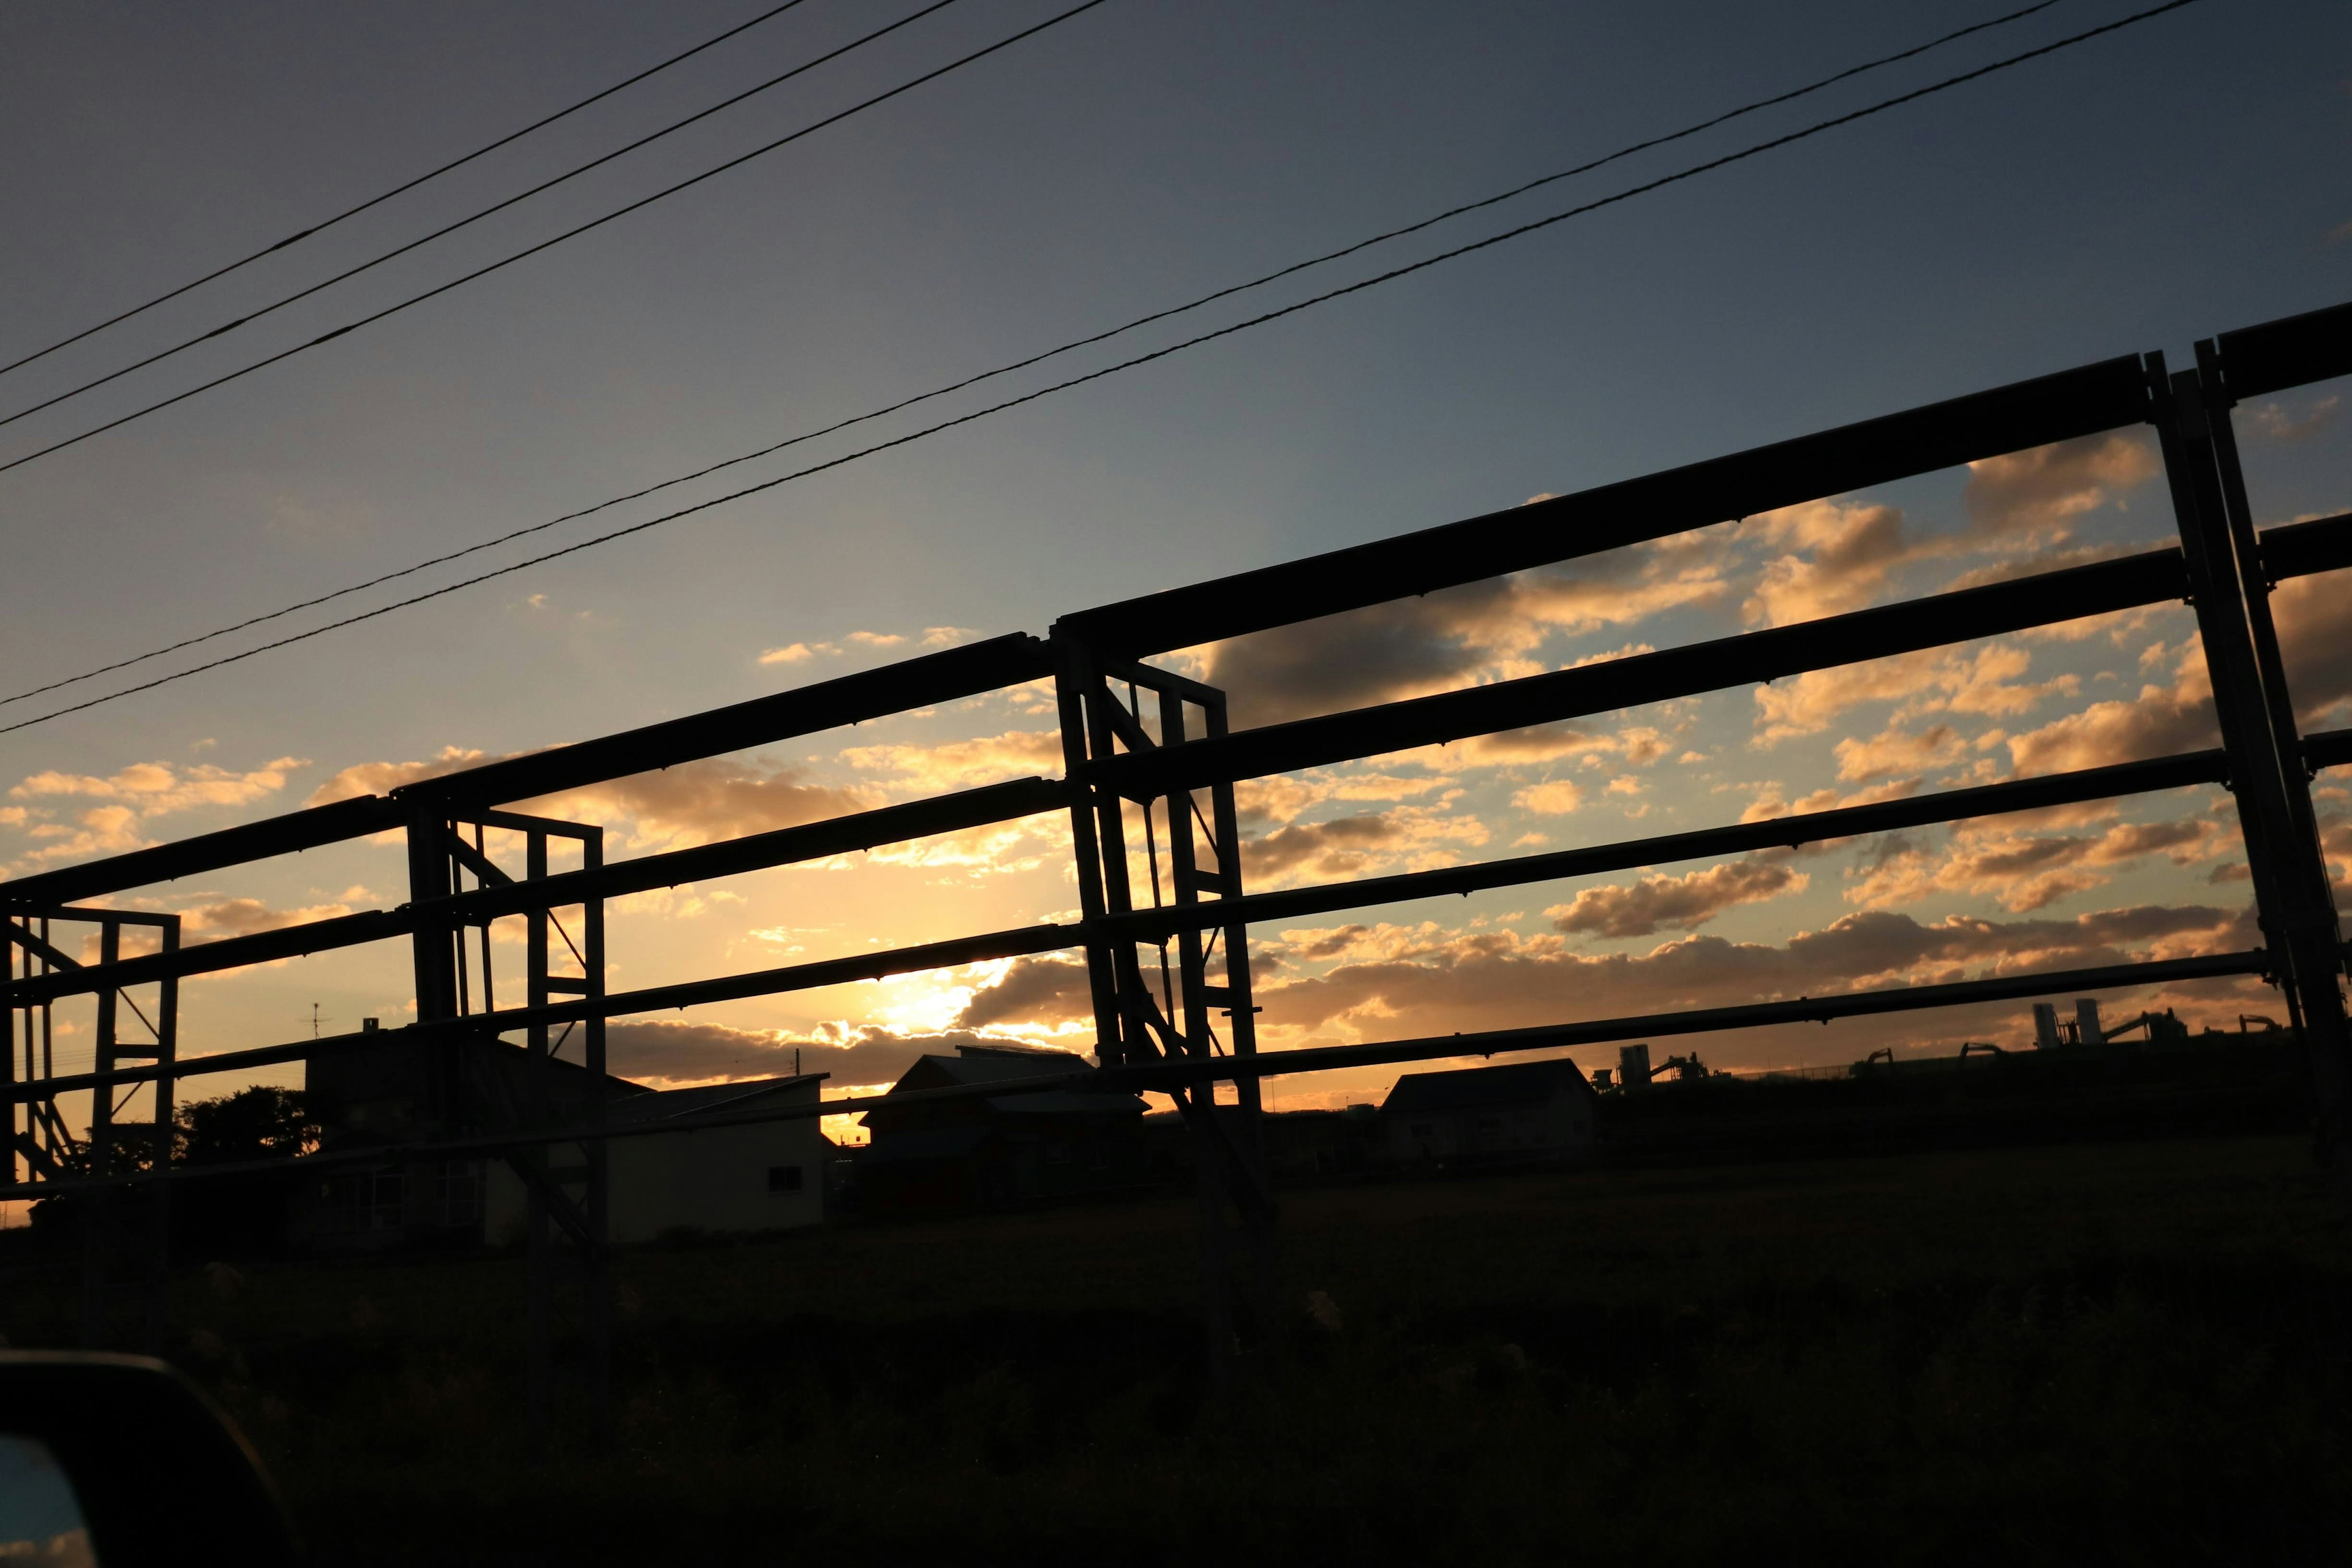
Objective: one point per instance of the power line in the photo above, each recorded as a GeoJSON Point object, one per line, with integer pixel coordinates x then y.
{"type": "Point", "coordinates": [325, 224]}
{"type": "Point", "coordinates": [547, 243]}
{"type": "Point", "coordinates": [499, 206]}
{"type": "Point", "coordinates": [1630, 192]}
{"type": "Point", "coordinates": [938, 392]}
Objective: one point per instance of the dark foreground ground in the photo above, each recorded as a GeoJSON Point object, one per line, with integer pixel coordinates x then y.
{"type": "Point", "coordinates": [2123, 1354]}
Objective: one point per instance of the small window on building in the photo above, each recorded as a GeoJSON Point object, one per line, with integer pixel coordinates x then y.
{"type": "Point", "coordinates": [783, 1178]}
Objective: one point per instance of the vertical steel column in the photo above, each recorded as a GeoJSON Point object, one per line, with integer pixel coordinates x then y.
{"type": "Point", "coordinates": [2290, 881]}
{"type": "Point", "coordinates": [433, 950]}
{"type": "Point", "coordinates": [98, 1220]}
{"type": "Point", "coordinates": [159, 1194]}
{"type": "Point", "coordinates": [538, 1111]}
{"type": "Point", "coordinates": [8, 950]}
{"type": "Point", "coordinates": [1074, 677]}
{"type": "Point", "coordinates": [2258, 586]}
{"type": "Point", "coordinates": [1233, 1146]}
{"type": "Point", "coordinates": [597, 1249]}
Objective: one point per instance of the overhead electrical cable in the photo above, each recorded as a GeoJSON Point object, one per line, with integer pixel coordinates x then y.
{"type": "Point", "coordinates": [574, 233]}
{"type": "Point", "coordinates": [1410, 268]}
{"type": "Point", "coordinates": [499, 206]}
{"type": "Point", "coordinates": [403, 188]}
{"type": "Point", "coordinates": [1074, 343]}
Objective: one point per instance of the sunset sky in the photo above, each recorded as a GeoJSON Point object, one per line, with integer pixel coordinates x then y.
{"type": "Point", "coordinates": [2182, 178]}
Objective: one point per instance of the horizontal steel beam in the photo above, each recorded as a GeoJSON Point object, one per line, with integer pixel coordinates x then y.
{"type": "Point", "coordinates": [2300, 549]}
{"type": "Point", "coordinates": [1169, 1075]}
{"type": "Point", "coordinates": [2327, 749]}
{"type": "Point", "coordinates": [1696, 1021]}
{"type": "Point", "coordinates": [944, 677]}
{"type": "Point", "coordinates": [756, 852]}
{"type": "Point", "coordinates": [2292, 352]}
{"type": "Point", "coordinates": [274, 835]}
{"type": "Point", "coordinates": [1773, 833]}
{"type": "Point", "coordinates": [1019, 943]}
{"type": "Point", "coordinates": [811, 841]}
{"type": "Point", "coordinates": [212, 957]}
{"type": "Point", "coordinates": [1615, 684]}
{"type": "Point", "coordinates": [2079, 402]}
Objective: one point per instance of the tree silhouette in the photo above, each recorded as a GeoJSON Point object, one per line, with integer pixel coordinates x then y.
{"type": "Point", "coordinates": [257, 1123]}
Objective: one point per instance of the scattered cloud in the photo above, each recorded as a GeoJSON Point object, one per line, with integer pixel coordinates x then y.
{"type": "Point", "coordinates": [1408, 837]}
{"type": "Point", "coordinates": [1931, 681]}
{"type": "Point", "coordinates": [157, 789]}
{"type": "Point", "coordinates": [2025, 872]}
{"type": "Point", "coordinates": [2035, 493]}
{"type": "Point", "coordinates": [798, 652]}
{"type": "Point", "coordinates": [1041, 992]}
{"type": "Point", "coordinates": [693, 803]}
{"type": "Point", "coordinates": [1849, 551]}
{"type": "Point", "coordinates": [666, 1054]}
{"type": "Point", "coordinates": [1674, 903]}
{"type": "Point", "coordinates": [959, 764]}
{"type": "Point", "coordinates": [1433, 982]}
{"type": "Point", "coordinates": [1557, 797]}
{"type": "Point", "coordinates": [2161, 720]}
{"type": "Point", "coordinates": [2275, 420]}
{"type": "Point", "coordinates": [1454, 637]}
{"type": "Point", "coordinates": [2315, 627]}
{"type": "Point", "coordinates": [1894, 751]}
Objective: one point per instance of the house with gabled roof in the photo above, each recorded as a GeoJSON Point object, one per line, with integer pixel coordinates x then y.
{"type": "Point", "coordinates": [1520, 1112]}
{"type": "Point", "coordinates": [993, 1152]}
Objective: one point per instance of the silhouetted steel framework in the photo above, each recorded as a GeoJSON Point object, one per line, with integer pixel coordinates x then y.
{"type": "Point", "coordinates": [1150, 768]}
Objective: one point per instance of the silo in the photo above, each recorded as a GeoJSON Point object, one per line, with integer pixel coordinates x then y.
{"type": "Point", "coordinates": [1633, 1066]}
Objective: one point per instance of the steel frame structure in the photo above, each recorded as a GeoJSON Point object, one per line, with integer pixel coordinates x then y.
{"type": "Point", "coordinates": [1150, 759]}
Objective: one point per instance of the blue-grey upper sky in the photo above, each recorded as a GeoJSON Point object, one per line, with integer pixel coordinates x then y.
{"type": "Point", "coordinates": [2183, 177]}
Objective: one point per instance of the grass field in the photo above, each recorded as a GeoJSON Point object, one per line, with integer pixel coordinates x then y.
{"type": "Point", "coordinates": [2122, 1353]}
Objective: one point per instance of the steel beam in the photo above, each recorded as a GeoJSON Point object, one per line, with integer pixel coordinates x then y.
{"type": "Point", "coordinates": [2300, 549]}
{"type": "Point", "coordinates": [262, 840]}
{"type": "Point", "coordinates": [430, 918]}
{"type": "Point", "coordinates": [1614, 684]}
{"type": "Point", "coordinates": [944, 677]}
{"type": "Point", "coordinates": [1772, 833]}
{"type": "Point", "coordinates": [2327, 749]}
{"type": "Point", "coordinates": [2079, 402]}
{"type": "Point", "coordinates": [2294, 351]}
{"type": "Point", "coordinates": [1019, 943]}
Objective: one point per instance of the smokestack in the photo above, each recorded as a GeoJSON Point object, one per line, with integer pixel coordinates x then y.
{"type": "Point", "coordinates": [1633, 1066]}
{"type": "Point", "coordinates": [2086, 1022]}
{"type": "Point", "coordinates": [2046, 1025]}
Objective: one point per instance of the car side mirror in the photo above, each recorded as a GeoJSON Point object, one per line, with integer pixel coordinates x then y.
{"type": "Point", "coordinates": [117, 1461]}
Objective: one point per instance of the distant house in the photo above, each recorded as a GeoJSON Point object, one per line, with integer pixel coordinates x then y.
{"type": "Point", "coordinates": [761, 1176]}
{"type": "Point", "coordinates": [1520, 1111]}
{"type": "Point", "coordinates": [996, 1151]}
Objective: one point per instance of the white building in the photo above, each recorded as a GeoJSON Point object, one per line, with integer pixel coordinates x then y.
{"type": "Point", "coordinates": [765, 1176]}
